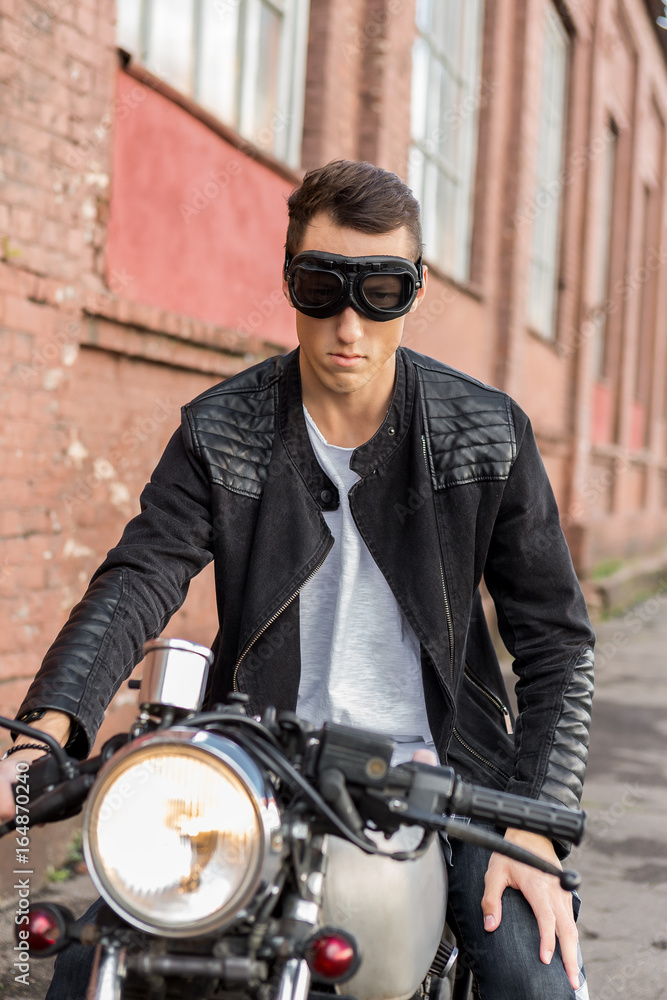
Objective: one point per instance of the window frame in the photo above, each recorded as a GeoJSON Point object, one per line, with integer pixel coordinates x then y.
{"type": "Point", "coordinates": [545, 326]}
{"type": "Point", "coordinates": [284, 139]}
{"type": "Point", "coordinates": [425, 152]}
{"type": "Point", "coordinates": [603, 263]}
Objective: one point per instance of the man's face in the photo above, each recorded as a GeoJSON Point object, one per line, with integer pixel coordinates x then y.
{"type": "Point", "coordinates": [348, 351]}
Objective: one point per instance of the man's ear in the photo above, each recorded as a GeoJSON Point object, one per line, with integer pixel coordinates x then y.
{"type": "Point", "coordinates": [421, 292]}
{"type": "Point", "coordinates": [286, 293]}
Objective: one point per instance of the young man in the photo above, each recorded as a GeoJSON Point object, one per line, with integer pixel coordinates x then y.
{"type": "Point", "coordinates": [352, 494]}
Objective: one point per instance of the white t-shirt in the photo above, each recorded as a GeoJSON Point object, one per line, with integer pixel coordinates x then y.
{"type": "Point", "coordinates": [360, 659]}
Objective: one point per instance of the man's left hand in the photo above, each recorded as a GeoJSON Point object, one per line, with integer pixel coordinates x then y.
{"type": "Point", "coordinates": [551, 905]}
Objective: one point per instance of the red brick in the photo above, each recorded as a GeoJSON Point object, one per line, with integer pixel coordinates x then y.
{"type": "Point", "coordinates": [29, 139]}
{"type": "Point", "coordinates": [23, 225]}
{"type": "Point", "coordinates": [26, 196]}
{"type": "Point", "coordinates": [29, 318]}
{"type": "Point", "coordinates": [11, 523]}
{"type": "Point", "coordinates": [12, 692]}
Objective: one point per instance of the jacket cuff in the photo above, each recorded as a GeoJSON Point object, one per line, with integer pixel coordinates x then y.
{"type": "Point", "coordinates": [78, 744]}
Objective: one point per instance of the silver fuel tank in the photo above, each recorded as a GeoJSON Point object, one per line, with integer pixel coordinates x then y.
{"type": "Point", "coordinates": [396, 910]}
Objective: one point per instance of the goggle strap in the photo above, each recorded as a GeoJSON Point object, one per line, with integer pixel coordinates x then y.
{"type": "Point", "coordinates": [418, 265]}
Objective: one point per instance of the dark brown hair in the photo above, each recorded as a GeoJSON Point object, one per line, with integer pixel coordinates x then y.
{"type": "Point", "coordinates": [356, 195]}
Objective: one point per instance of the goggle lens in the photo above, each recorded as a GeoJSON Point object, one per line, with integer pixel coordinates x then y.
{"type": "Point", "coordinates": [385, 291]}
{"type": "Point", "coordinates": [315, 288]}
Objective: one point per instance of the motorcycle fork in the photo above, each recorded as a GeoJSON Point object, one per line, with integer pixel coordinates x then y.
{"type": "Point", "coordinates": [108, 975]}
{"type": "Point", "coordinates": [301, 915]}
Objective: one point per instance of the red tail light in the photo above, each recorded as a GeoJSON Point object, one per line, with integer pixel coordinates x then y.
{"type": "Point", "coordinates": [45, 931]}
{"type": "Point", "coordinates": [332, 956]}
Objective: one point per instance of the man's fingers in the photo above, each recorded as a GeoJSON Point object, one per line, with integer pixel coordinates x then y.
{"type": "Point", "coordinates": [495, 883]}
{"type": "Point", "coordinates": [568, 938]}
{"type": "Point", "coordinates": [8, 775]}
{"type": "Point", "coordinates": [554, 921]}
{"type": "Point", "coordinates": [425, 757]}
{"type": "Point", "coordinates": [547, 927]}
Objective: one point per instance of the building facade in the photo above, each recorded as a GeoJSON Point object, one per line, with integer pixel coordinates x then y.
{"type": "Point", "coordinates": [147, 149]}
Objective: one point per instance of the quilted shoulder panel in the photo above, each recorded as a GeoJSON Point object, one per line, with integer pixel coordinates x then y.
{"type": "Point", "coordinates": [233, 424]}
{"type": "Point", "coordinates": [469, 427]}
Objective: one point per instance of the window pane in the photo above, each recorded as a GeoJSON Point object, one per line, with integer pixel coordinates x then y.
{"type": "Point", "coordinates": [218, 68]}
{"type": "Point", "coordinates": [424, 15]}
{"type": "Point", "coordinates": [445, 125]}
{"type": "Point", "coordinates": [170, 42]}
{"type": "Point", "coordinates": [266, 94]}
{"type": "Point", "coordinates": [419, 92]}
{"type": "Point", "coordinates": [128, 26]}
{"type": "Point", "coordinates": [546, 229]}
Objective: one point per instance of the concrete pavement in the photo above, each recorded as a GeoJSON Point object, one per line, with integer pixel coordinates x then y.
{"type": "Point", "coordinates": [623, 860]}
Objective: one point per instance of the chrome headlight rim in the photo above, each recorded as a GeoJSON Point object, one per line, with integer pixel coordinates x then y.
{"type": "Point", "coordinates": [201, 744]}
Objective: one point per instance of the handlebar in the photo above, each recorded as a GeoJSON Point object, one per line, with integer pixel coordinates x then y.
{"type": "Point", "coordinates": [505, 809]}
{"type": "Point", "coordinates": [419, 789]}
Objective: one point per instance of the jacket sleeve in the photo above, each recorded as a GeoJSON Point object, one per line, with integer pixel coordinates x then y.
{"type": "Point", "coordinates": [544, 624]}
{"type": "Point", "coordinates": [130, 598]}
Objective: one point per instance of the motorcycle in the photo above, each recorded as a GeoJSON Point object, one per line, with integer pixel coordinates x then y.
{"type": "Point", "coordinates": [240, 856]}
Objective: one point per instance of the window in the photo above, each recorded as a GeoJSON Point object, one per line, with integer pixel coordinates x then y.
{"type": "Point", "coordinates": [601, 272]}
{"type": "Point", "coordinates": [242, 60]}
{"type": "Point", "coordinates": [543, 275]}
{"type": "Point", "coordinates": [446, 96]}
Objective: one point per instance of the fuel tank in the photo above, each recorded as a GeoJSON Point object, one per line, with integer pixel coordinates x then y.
{"type": "Point", "coordinates": [396, 910]}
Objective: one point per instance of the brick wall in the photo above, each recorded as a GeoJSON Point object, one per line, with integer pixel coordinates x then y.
{"type": "Point", "coordinates": [90, 381]}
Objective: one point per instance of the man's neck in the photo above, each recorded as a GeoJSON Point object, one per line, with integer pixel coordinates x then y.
{"type": "Point", "coordinates": [348, 420]}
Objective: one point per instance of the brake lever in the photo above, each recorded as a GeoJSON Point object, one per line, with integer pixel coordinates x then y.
{"type": "Point", "coordinates": [568, 878]}
{"type": "Point", "coordinates": [60, 802]}
{"type": "Point", "coordinates": [472, 834]}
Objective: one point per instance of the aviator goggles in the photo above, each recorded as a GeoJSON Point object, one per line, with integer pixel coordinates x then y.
{"type": "Point", "coordinates": [323, 284]}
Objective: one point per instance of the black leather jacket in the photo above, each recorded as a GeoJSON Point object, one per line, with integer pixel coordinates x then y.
{"type": "Point", "coordinates": [452, 488]}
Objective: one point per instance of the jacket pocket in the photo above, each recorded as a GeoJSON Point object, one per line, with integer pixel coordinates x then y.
{"type": "Point", "coordinates": [482, 745]}
{"type": "Point", "coordinates": [497, 702]}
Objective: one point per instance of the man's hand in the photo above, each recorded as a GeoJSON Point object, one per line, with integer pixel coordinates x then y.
{"type": "Point", "coordinates": [56, 724]}
{"type": "Point", "coordinates": [551, 905]}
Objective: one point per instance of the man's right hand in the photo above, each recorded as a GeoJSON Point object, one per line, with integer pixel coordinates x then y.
{"type": "Point", "coordinates": [56, 724]}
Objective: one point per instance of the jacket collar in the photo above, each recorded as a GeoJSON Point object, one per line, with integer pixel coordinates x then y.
{"type": "Point", "coordinates": [368, 456]}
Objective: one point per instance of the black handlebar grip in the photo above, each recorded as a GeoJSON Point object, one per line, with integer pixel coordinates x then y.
{"type": "Point", "coordinates": [516, 811]}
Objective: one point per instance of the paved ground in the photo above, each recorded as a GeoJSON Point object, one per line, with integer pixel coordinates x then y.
{"type": "Point", "coordinates": [623, 861]}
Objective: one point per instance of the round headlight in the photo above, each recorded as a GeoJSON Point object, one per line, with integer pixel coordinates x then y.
{"type": "Point", "coordinates": [177, 831]}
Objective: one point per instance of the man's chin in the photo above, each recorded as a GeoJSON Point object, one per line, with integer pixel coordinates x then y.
{"type": "Point", "coordinates": [346, 381]}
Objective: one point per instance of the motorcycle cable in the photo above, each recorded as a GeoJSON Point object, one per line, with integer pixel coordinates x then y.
{"type": "Point", "coordinates": [289, 774]}
{"type": "Point", "coordinates": [206, 720]}
{"type": "Point", "coordinates": [472, 834]}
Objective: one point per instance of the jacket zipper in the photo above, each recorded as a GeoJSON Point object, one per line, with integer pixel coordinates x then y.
{"type": "Point", "coordinates": [267, 624]}
{"type": "Point", "coordinates": [450, 629]}
{"type": "Point", "coordinates": [448, 614]}
{"type": "Point", "coordinates": [478, 755]}
{"type": "Point", "coordinates": [492, 698]}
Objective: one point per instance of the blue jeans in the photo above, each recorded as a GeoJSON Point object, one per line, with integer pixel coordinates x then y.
{"type": "Point", "coordinates": [505, 962]}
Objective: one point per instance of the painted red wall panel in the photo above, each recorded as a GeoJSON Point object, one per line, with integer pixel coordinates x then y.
{"type": "Point", "coordinates": [196, 226]}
